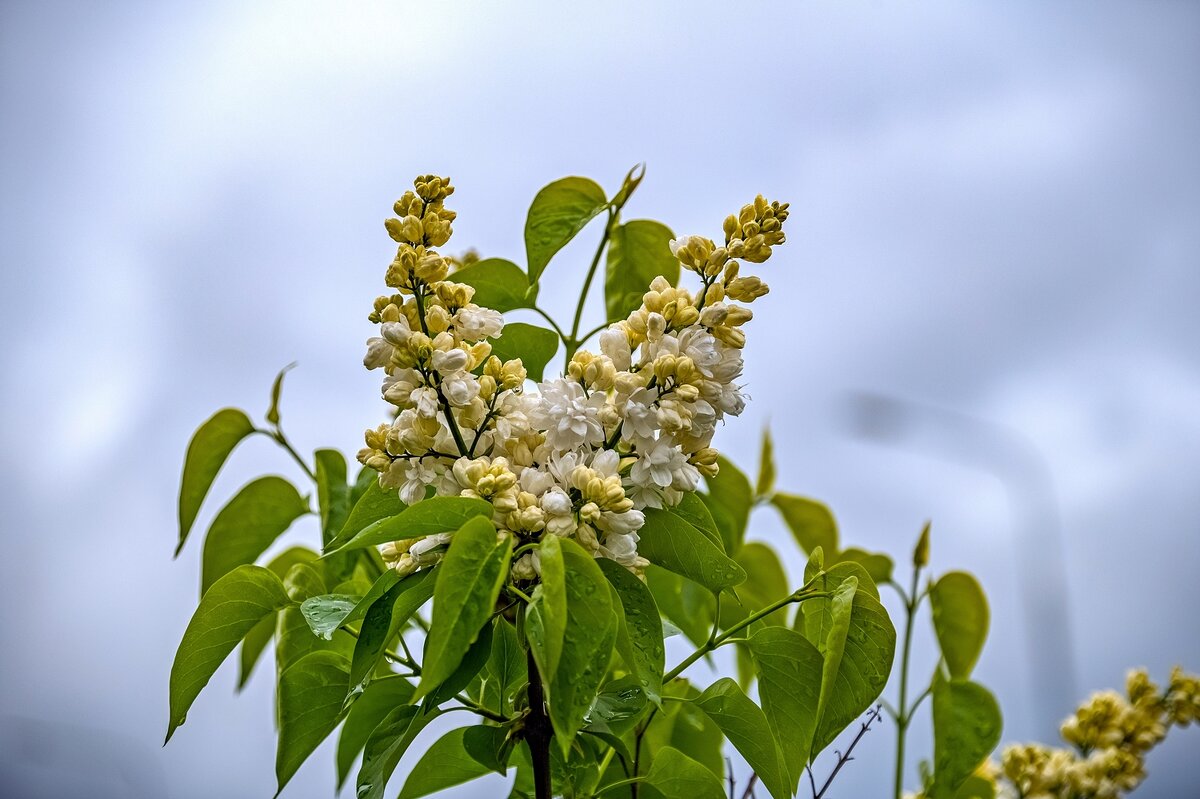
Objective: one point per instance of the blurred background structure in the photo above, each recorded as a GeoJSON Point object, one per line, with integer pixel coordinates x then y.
{"type": "Point", "coordinates": [996, 224]}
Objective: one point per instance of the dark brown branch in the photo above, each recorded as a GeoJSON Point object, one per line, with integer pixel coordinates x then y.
{"type": "Point", "coordinates": [844, 757]}
{"type": "Point", "coordinates": [538, 733]}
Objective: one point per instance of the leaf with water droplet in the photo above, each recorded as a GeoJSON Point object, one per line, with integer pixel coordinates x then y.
{"type": "Point", "coordinates": [640, 636]}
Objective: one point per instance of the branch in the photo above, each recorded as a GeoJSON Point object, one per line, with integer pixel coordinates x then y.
{"type": "Point", "coordinates": [844, 757]}
{"type": "Point", "coordinates": [724, 638]}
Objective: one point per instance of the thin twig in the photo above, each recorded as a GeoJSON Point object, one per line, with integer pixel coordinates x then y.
{"type": "Point", "coordinates": [749, 792]}
{"type": "Point", "coordinates": [844, 757]}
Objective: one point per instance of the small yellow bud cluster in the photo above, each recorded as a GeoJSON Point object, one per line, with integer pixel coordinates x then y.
{"type": "Point", "coordinates": [1111, 735]}
{"type": "Point", "coordinates": [752, 232]}
{"type": "Point", "coordinates": [422, 222]}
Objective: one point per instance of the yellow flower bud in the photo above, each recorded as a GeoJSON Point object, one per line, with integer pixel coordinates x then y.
{"type": "Point", "coordinates": [687, 316]}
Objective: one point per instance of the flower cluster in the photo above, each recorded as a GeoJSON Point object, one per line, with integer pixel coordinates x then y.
{"type": "Point", "coordinates": [622, 430]}
{"type": "Point", "coordinates": [1110, 735]}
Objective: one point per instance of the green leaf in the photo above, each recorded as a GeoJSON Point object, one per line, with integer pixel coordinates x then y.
{"type": "Point", "coordinates": [444, 765]}
{"type": "Point", "coordinates": [960, 619]}
{"type": "Point", "coordinates": [333, 493]}
{"type": "Point", "coordinates": [746, 727]}
{"type": "Point", "coordinates": [811, 523]}
{"type": "Point", "coordinates": [427, 517]}
{"type": "Point", "coordinates": [260, 636]}
{"type": "Point", "coordinates": [230, 609]}
{"type": "Point", "coordinates": [468, 584]}
{"type": "Point", "coordinates": [832, 646]}
{"type": "Point", "coordinates": [789, 686]}
{"type": "Point", "coordinates": [365, 479]}
{"type": "Point", "coordinates": [276, 389]}
{"type": "Point", "coordinates": [689, 606]}
{"type": "Point", "coordinates": [534, 345]}
{"type": "Point", "coordinates": [311, 691]}
{"type": "Point", "coordinates": [642, 628]}
{"type": "Point", "coordinates": [669, 541]}
{"type": "Point", "coordinates": [559, 211]}
{"type": "Point", "coordinates": [386, 745]}
{"type": "Point", "coordinates": [618, 707]}
{"type": "Point", "coordinates": [766, 466]}
{"type": "Point", "coordinates": [732, 496]}
{"type": "Point", "coordinates": [380, 697]}
{"type": "Point", "coordinates": [384, 619]}
{"type": "Point", "coordinates": [506, 667]}
{"type": "Point", "coordinates": [326, 612]}
{"type": "Point", "coordinates": [206, 454]}
{"type": "Point", "coordinates": [253, 645]}
{"type": "Point", "coordinates": [976, 787]}
{"type": "Point", "coordinates": [468, 669]}
{"type": "Point", "coordinates": [250, 523]}
{"type": "Point", "coordinates": [554, 600]}
{"type": "Point", "coordinates": [628, 186]}
{"type": "Point", "coordinates": [488, 746]}
{"type": "Point", "coordinates": [499, 284]}
{"type": "Point", "coordinates": [587, 644]}
{"type": "Point", "coordinates": [676, 776]}
{"type": "Point", "coordinates": [638, 252]}
{"type": "Point", "coordinates": [966, 729]}
{"type": "Point", "coordinates": [293, 638]}
{"type": "Point", "coordinates": [878, 565]}
{"type": "Point", "coordinates": [375, 503]}
{"type": "Point", "coordinates": [867, 649]}
{"type": "Point", "coordinates": [693, 510]}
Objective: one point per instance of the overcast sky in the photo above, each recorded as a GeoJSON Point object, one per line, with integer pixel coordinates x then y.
{"type": "Point", "coordinates": [994, 234]}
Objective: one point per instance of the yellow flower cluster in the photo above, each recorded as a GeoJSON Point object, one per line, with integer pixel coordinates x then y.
{"type": "Point", "coordinates": [623, 429]}
{"type": "Point", "coordinates": [1110, 735]}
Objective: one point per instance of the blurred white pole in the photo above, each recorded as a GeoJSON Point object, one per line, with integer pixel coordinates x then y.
{"type": "Point", "coordinates": [1020, 467]}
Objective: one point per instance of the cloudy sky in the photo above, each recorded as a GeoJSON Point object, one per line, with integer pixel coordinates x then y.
{"type": "Point", "coordinates": [986, 314]}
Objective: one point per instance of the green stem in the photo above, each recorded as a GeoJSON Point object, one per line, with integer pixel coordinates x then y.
{"type": "Point", "coordinates": [724, 638]}
{"type": "Point", "coordinates": [903, 712]}
{"type": "Point", "coordinates": [472, 705]}
{"type": "Point", "coordinates": [621, 784]}
{"type": "Point", "coordinates": [553, 324]}
{"type": "Point", "coordinates": [573, 344]}
{"type": "Point", "coordinates": [280, 439]}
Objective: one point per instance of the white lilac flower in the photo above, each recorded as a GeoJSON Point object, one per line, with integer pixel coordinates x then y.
{"type": "Point", "coordinates": [569, 415]}
{"type": "Point", "coordinates": [663, 465]}
{"type": "Point", "coordinates": [396, 333]}
{"type": "Point", "coordinates": [732, 400]}
{"type": "Point", "coordinates": [399, 386]}
{"type": "Point", "coordinates": [615, 344]}
{"type": "Point", "coordinates": [622, 523]}
{"type": "Point", "coordinates": [425, 400]}
{"type": "Point", "coordinates": [622, 549]}
{"type": "Point", "coordinates": [379, 353]}
{"type": "Point", "coordinates": [730, 366]}
{"type": "Point", "coordinates": [640, 414]}
{"type": "Point", "coordinates": [460, 388]}
{"type": "Point", "coordinates": [699, 345]}
{"type": "Point", "coordinates": [450, 361]}
{"type": "Point", "coordinates": [420, 474]}
{"type": "Point", "coordinates": [475, 324]}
